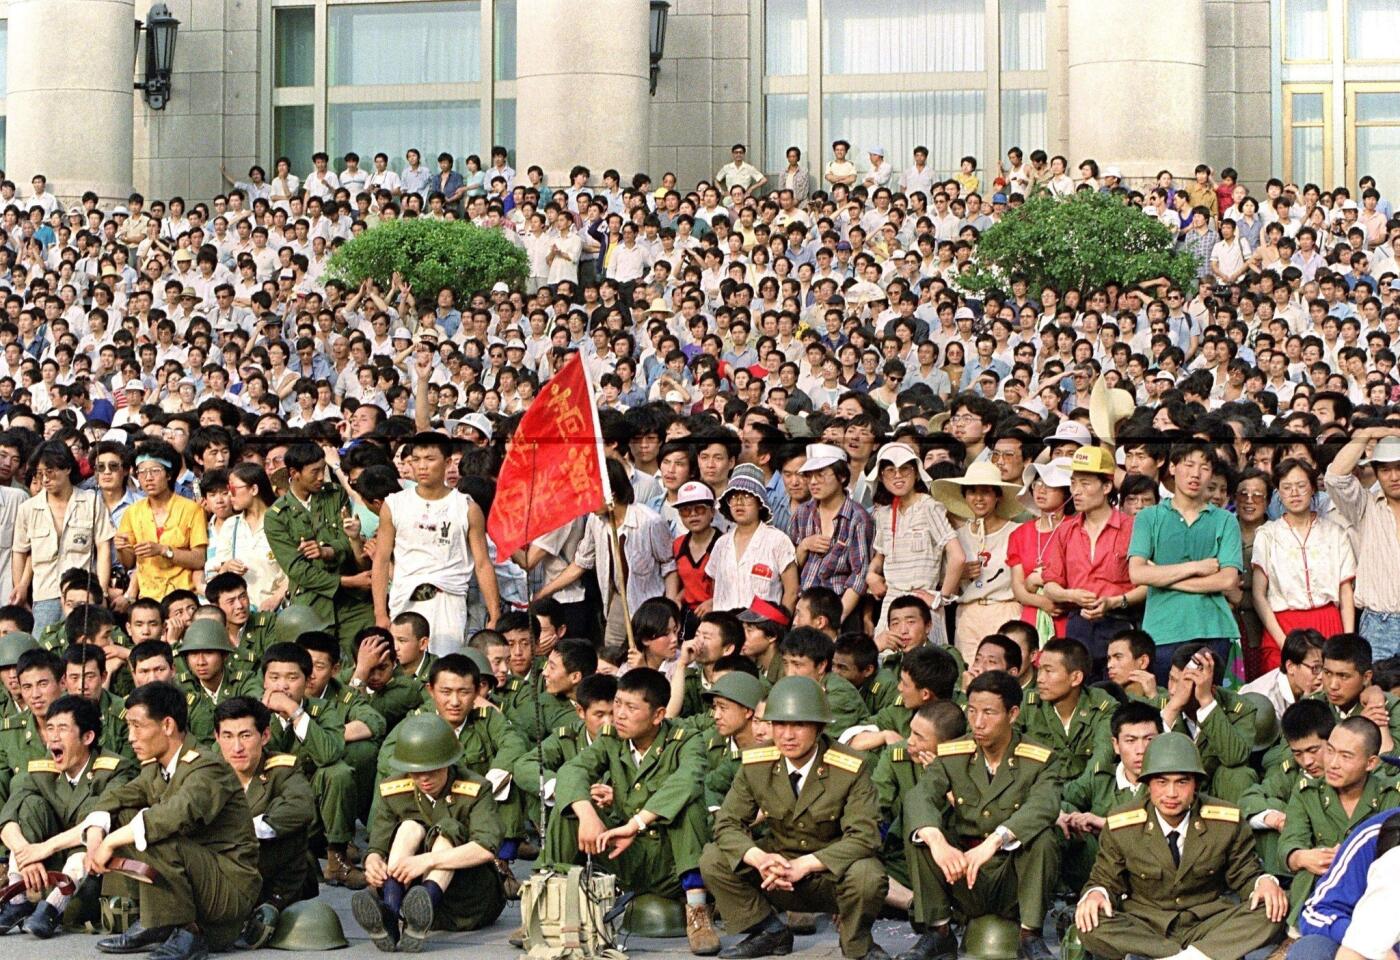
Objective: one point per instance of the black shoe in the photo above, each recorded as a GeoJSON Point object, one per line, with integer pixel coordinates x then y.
{"type": "Point", "coordinates": [934, 944]}
{"type": "Point", "coordinates": [137, 939]}
{"type": "Point", "coordinates": [43, 922]}
{"type": "Point", "coordinates": [876, 952]}
{"type": "Point", "coordinates": [12, 913]}
{"type": "Point", "coordinates": [376, 919]}
{"type": "Point", "coordinates": [765, 943]}
{"type": "Point", "coordinates": [182, 945]}
{"type": "Point", "coordinates": [802, 924]}
{"type": "Point", "coordinates": [258, 929]}
{"type": "Point", "coordinates": [1034, 947]}
{"type": "Point", "coordinates": [417, 913]}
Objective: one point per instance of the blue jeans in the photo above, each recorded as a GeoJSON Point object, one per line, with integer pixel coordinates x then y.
{"type": "Point", "coordinates": [1383, 632]}
{"type": "Point", "coordinates": [45, 613]}
{"type": "Point", "coordinates": [1313, 947]}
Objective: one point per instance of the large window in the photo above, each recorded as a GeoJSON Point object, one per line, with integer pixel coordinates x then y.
{"type": "Point", "coordinates": [1306, 30]}
{"type": "Point", "coordinates": [902, 36]}
{"type": "Point", "coordinates": [1306, 133]}
{"type": "Point", "coordinates": [387, 44]}
{"type": "Point", "coordinates": [1374, 114]}
{"type": "Point", "coordinates": [948, 122]}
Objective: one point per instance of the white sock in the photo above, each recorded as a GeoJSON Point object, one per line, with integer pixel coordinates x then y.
{"type": "Point", "coordinates": [14, 877]}
{"type": "Point", "coordinates": [696, 897]}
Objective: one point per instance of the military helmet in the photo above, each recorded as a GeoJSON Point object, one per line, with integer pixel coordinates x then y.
{"type": "Point", "coordinates": [12, 645]}
{"type": "Point", "coordinates": [990, 937]}
{"type": "Point", "coordinates": [425, 743]}
{"type": "Point", "coordinates": [797, 700]}
{"type": "Point", "coordinates": [1171, 753]}
{"type": "Point", "coordinates": [205, 635]}
{"type": "Point", "coordinates": [308, 925]}
{"type": "Point", "coordinates": [483, 666]}
{"type": "Point", "coordinates": [744, 689]}
{"type": "Point", "coordinates": [117, 914]}
{"type": "Point", "coordinates": [1266, 728]}
{"type": "Point", "coordinates": [652, 915]}
{"type": "Point", "coordinates": [291, 622]}
{"type": "Point", "coordinates": [1071, 948]}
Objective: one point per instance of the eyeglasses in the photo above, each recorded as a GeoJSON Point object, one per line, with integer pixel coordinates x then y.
{"type": "Point", "coordinates": [1248, 496]}
{"type": "Point", "coordinates": [101, 467]}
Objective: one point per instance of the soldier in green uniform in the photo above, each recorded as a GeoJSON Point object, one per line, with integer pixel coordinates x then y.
{"type": "Point", "coordinates": [539, 766]}
{"type": "Point", "coordinates": [410, 633]}
{"type": "Point", "coordinates": [525, 701]}
{"type": "Point", "coordinates": [649, 771]}
{"type": "Point", "coordinates": [348, 705]}
{"type": "Point", "coordinates": [305, 528]}
{"type": "Point", "coordinates": [96, 626]}
{"type": "Point", "coordinates": [858, 660]}
{"type": "Point", "coordinates": [734, 698]}
{"type": "Point", "coordinates": [980, 826]}
{"type": "Point", "coordinates": [21, 736]}
{"type": "Point", "coordinates": [392, 694]}
{"type": "Point", "coordinates": [807, 652]}
{"type": "Point", "coordinates": [207, 677]}
{"type": "Point", "coordinates": [1064, 715]}
{"type": "Point", "coordinates": [764, 624]}
{"type": "Point", "coordinates": [1170, 868]}
{"type": "Point", "coordinates": [189, 813]}
{"type": "Point", "coordinates": [11, 646]}
{"type": "Point", "coordinates": [433, 837]}
{"type": "Point", "coordinates": [314, 731]}
{"type": "Point", "coordinates": [1217, 720]}
{"type": "Point", "coordinates": [85, 675]}
{"type": "Point", "coordinates": [719, 634]}
{"type": "Point", "coordinates": [1307, 724]}
{"type": "Point", "coordinates": [249, 631]}
{"type": "Point", "coordinates": [280, 801]}
{"type": "Point", "coordinates": [927, 674]}
{"type": "Point", "coordinates": [1347, 686]}
{"type": "Point", "coordinates": [820, 850]}
{"type": "Point", "coordinates": [1322, 812]}
{"type": "Point", "coordinates": [46, 804]}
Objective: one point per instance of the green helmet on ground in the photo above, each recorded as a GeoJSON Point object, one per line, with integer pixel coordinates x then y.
{"type": "Point", "coordinates": [483, 666]}
{"type": "Point", "coordinates": [293, 621]}
{"type": "Point", "coordinates": [205, 636]}
{"type": "Point", "coordinates": [742, 688]}
{"type": "Point", "coordinates": [991, 937]}
{"type": "Point", "coordinates": [309, 925]}
{"type": "Point", "coordinates": [797, 700]}
{"type": "Point", "coordinates": [12, 645]}
{"type": "Point", "coordinates": [1070, 946]}
{"type": "Point", "coordinates": [1266, 728]}
{"type": "Point", "coordinates": [1171, 753]}
{"type": "Point", "coordinates": [117, 914]}
{"type": "Point", "coordinates": [425, 743]}
{"type": "Point", "coordinates": [652, 915]}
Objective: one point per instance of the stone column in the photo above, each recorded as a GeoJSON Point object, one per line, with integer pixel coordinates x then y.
{"type": "Point", "coordinates": [1137, 85]}
{"type": "Point", "coordinates": [583, 96]}
{"type": "Point", "coordinates": [70, 96]}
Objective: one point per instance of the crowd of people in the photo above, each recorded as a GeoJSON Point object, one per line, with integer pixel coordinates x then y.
{"type": "Point", "coordinates": [1026, 614]}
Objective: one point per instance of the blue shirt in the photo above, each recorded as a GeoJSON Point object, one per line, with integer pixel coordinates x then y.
{"type": "Point", "coordinates": [1327, 912]}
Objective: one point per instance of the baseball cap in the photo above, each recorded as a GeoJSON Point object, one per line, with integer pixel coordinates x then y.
{"type": "Point", "coordinates": [1387, 451]}
{"type": "Point", "coordinates": [674, 396]}
{"type": "Point", "coordinates": [401, 333]}
{"type": "Point", "coordinates": [761, 610]}
{"type": "Point", "coordinates": [480, 423]}
{"type": "Point", "coordinates": [822, 455]}
{"type": "Point", "coordinates": [694, 491]}
{"type": "Point", "coordinates": [998, 198]}
{"type": "Point", "coordinates": [500, 287]}
{"type": "Point", "coordinates": [1071, 431]}
{"type": "Point", "coordinates": [135, 385]}
{"type": "Point", "coordinates": [1092, 460]}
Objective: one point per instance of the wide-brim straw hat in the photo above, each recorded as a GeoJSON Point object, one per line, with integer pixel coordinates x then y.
{"type": "Point", "coordinates": [1107, 407]}
{"type": "Point", "coordinates": [983, 473]}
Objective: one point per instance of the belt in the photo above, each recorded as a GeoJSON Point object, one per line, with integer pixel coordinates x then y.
{"type": "Point", "coordinates": [422, 592]}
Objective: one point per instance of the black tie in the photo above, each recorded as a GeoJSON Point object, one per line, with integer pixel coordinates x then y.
{"type": "Point", "coordinates": [1174, 845]}
{"type": "Point", "coordinates": [795, 779]}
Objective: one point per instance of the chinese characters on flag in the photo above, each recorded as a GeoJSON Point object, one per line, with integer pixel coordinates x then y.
{"type": "Point", "coordinates": [553, 471]}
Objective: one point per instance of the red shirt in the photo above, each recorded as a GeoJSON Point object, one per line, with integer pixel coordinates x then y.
{"type": "Point", "coordinates": [1104, 571]}
{"type": "Point", "coordinates": [1028, 546]}
{"type": "Point", "coordinates": [697, 585]}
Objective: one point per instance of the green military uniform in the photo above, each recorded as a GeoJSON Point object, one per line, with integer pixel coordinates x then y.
{"type": "Point", "coordinates": [200, 703]}
{"type": "Point", "coordinates": [420, 672]}
{"type": "Point", "coordinates": [1316, 819]}
{"type": "Point", "coordinates": [721, 765]}
{"type": "Point", "coordinates": [847, 708]}
{"type": "Point", "coordinates": [43, 803]}
{"type": "Point", "coordinates": [1225, 741]}
{"type": "Point", "coordinates": [254, 638]}
{"type": "Point", "coordinates": [463, 813]}
{"type": "Point", "coordinates": [1160, 907]}
{"type": "Point", "coordinates": [342, 705]}
{"type": "Point", "coordinates": [537, 766]}
{"type": "Point", "coordinates": [958, 795]}
{"type": "Point", "coordinates": [668, 782]}
{"type": "Point", "coordinates": [281, 796]}
{"type": "Point", "coordinates": [1096, 791]}
{"type": "Point", "coordinates": [1392, 708]}
{"type": "Point", "coordinates": [21, 740]}
{"type": "Point", "coordinates": [396, 699]}
{"type": "Point", "coordinates": [320, 757]}
{"type": "Point", "coordinates": [114, 738]}
{"type": "Point", "coordinates": [834, 817]}
{"type": "Point", "coordinates": [199, 840]}
{"type": "Point", "coordinates": [880, 691]}
{"type": "Point", "coordinates": [1089, 739]}
{"type": "Point", "coordinates": [530, 708]}
{"type": "Point", "coordinates": [1272, 792]}
{"type": "Point", "coordinates": [316, 583]}
{"type": "Point", "coordinates": [896, 772]}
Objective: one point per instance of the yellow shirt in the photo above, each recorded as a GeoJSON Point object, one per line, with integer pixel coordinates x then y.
{"type": "Point", "coordinates": [185, 528]}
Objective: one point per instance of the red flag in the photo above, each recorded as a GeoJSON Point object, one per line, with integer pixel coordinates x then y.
{"type": "Point", "coordinates": [553, 471]}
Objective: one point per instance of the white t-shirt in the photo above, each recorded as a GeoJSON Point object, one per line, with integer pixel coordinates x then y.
{"type": "Point", "coordinates": [758, 573]}
{"type": "Point", "coordinates": [430, 545]}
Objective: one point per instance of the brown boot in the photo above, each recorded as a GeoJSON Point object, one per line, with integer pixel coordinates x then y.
{"type": "Point", "coordinates": [509, 883]}
{"type": "Point", "coordinates": [339, 872]}
{"type": "Point", "coordinates": [517, 937]}
{"type": "Point", "coordinates": [700, 930]}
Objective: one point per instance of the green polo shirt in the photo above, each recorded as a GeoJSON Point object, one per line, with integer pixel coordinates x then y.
{"type": "Point", "coordinates": [1162, 535]}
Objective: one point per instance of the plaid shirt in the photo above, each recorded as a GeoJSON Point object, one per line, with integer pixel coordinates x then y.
{"type": "Point", "coordinates": [842, 567]}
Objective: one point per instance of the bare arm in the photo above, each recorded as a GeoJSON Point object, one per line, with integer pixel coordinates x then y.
{"type": "Point", "coordinates": [485, 569]}
{"type": "Point", "coordinates": [384, 557]}
{"type": "Point", "coordinates": [1144, 572]}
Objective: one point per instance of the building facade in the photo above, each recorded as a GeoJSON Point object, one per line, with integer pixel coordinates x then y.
{"type": "Point", "coordinates": [1308, 90]}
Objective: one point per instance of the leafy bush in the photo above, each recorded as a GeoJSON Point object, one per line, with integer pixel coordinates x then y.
{"type": "Point", "coordinates": [1081, 242]}
{"type": "Point", "coordinates": [429, 255]}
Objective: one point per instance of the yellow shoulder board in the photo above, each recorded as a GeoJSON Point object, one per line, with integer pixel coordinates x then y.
{"type": "Point", "coordinates": [1108, 703]}
{"type": "Point", "coordinates": [956, 748]}
{"type": "Point", "coordinates": [1031, 752]}
{"type": "Point", "coordinates": [606, 730]}
{"type": "Point", "coordinates": [897, 754]}
{"type": "Point", "coordinates": [842, 761]}
{"type": "Point", "coordinates": [42, 766]}
{"type": "Point", "coordinates": [679, 734]}
{"type": "Point", "coordinates": [189, 699]}
{"type": "Point", "coordinates": [147, 763]}
{"type": "Point", "coordinates": [280, 760]}
{"type": "Point", "coordinates": [348, 696]}
{"type": "Point", "coordinates": [563, 731]}
{"type": "Point", "coordinates": [483, 711]}
{"type": "Point", "coordinates": [1217, 812]}
{"type": "Point", "coordinates": [1286, 766]}
{"type": "Point", "coordinates": [315, 709]}
{"type": "Point", "coordinates": [1239, 705]}
{"type": "Point", "coordinates": [105, 763]}
{"type": "Point", "coordinates": [466, 788]}
{"type": "Point", "coordinates": [190, 756]}
{"type": "Point", "coordinates": [122, 714]}
{"type": "Point", "coordinates": [392, 788]}
{"type": "Point", "coordinates": [1127, 818]}
{"type": "Point", "coordinates": [761, 755]}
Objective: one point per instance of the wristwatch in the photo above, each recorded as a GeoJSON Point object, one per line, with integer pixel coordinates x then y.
{"type": "Point", "coordinates": [169, 553]}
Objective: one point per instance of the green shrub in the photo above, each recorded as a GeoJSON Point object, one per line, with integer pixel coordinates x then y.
{"type": "Point", "coordinates": [1081, 242]}
{"type": "Point", "coordinates": [431, 254]}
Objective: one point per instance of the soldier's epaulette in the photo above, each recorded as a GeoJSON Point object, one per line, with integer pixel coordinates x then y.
{"type": "Point", "coordinates": [1286, 766]}
{"type": "Point", "coordinates": [483, 711]}
{"type": "Point", "coordinates": [1030, 751]}
{"type": "Point", "coordinates": [466, 788]}
{"type": "Point", "coordinates": [607, 730]}
{"type": "Point", "coordinates": [1108, 703]}
{"type": "Point", "coordinates": [189, 699]}
{"type": "Point", "coordinates": [121, 714]}
{"type": "Point", "coordinates": [1128, 818]}
{"type": "Point", "coordinates": [514, 684]}
{"type": "Point", "coordinates": [105, 763]}
{"type": "Point", "coordinates": [563, 731]}
{"type": "Point", "coordinates": [875, 687]}
{"type": "Point", "coordinates": [348, 696]}
{"type": "Point", "coordinates": [315, 710]}
{"type": "Point", "coordinates": [1032, 698]}
{"type": "Point", "coordinates": [761, 755]}
{"type": "Point", "coordinates": [1227, 814]}
{"type": "Point", "coordinates": [275, 508]}
{"type": "Point", "coordinates": [280, 760]}
{"type": "Point", "coordinates": [1304, 782]}
{"type": "Point", "coordinates": [956, 748]}
{"type": "Point", "coordinates": [680, 734]}
{"type": "Point", "coordinates": [189, 756]}
{"type": "Point", "coordinates": [842, 761]}
{"type": "Point", "coordinates": [897, 754]}
{"type": "Point", "coordinates": [392, 788]}
{"type": "Point", "coordinates": [1239, 706]}
{"type": "Point", "coordinates": [42, 766]}
{"type": "Point", "coordinates": [148, 761]}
